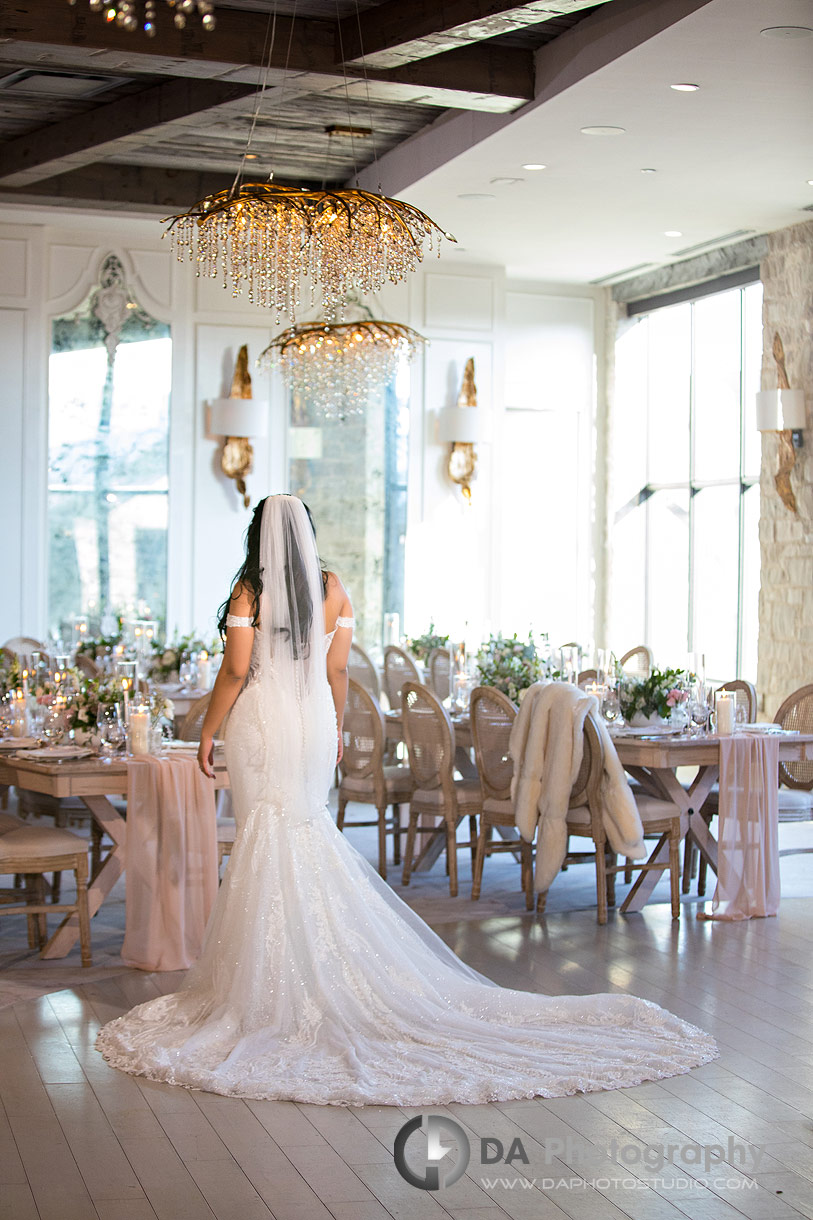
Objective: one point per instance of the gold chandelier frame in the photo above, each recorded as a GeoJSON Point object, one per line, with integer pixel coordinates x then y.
{"type": "Point", "coordinates": [267, 238]}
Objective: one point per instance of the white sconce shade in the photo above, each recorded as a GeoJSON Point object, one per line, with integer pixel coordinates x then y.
{"type": "Point", "coordinates": [459, 425]}
{"type": "Point", "coordinates": [778, 410]}
{"type": "Point", "coordinates": [238, 417]}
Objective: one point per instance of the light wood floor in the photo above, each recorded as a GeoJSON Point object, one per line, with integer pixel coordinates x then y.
{"type": "Point", "coordinates": [80, 1140]}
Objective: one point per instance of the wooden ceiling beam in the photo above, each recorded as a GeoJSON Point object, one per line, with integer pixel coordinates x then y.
{"type": "Point", "coordinates": [53, 33]}
{"type": "Point", "coordinates": [81, 140]}
{"type": "Point", "coordinates": [134, 188]}
{"type": "Point", "coordinates": [395, 33]}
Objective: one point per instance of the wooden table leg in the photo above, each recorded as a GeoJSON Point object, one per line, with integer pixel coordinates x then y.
{"type": "Point", "coordinates": [111, 821]}
{"type": "Point", "coordinates": [689, 801]}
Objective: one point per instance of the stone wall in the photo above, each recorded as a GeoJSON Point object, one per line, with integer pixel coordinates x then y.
{"type": "Point", "coordinates": [786, 538]}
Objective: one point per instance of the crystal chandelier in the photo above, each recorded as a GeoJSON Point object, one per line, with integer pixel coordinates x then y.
{"type": "Point", "coordinates": [141, 14]}
{"type": "Point", "coordinates": [267, 238]}
{"type": "Point", "coordinates": [335, 367]}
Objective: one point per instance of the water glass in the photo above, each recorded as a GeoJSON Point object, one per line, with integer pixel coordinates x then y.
{"type": "Point", "coordinates": [53, 724]}
{"type": "Point", "coordinates": [610, 705]}
{"type": "Point", "coordinates": [111, 730]}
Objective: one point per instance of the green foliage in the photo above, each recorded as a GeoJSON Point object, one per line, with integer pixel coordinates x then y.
{"type": "Point", "coordinates": [509, 664]}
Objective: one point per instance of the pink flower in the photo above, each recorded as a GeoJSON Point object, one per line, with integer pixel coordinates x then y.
{"type": "Point", "coordinates": [676, 696]}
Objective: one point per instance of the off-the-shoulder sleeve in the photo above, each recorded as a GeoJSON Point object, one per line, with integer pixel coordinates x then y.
{"type": "Point", "coordinates": [341, 621]}
{"type": "Point", "coordinates": [237, 620]}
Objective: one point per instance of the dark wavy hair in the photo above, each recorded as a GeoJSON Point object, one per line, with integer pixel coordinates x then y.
{"type": "Point", "coordinates": [250, 577]}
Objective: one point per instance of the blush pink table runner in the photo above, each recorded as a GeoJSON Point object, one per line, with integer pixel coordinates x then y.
{"type": "Point", "coordinates": [171, 874]}
{"type": "Point", "coordinates": [748, 830]}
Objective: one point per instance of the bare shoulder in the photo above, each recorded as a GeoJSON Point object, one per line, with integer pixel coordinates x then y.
{"type": "Point", "coordinates": [337, 600]}
{"type": "Point", "coordinates": [241, 602]}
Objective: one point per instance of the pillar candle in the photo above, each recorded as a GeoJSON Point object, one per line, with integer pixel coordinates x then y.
{"type": "Point", "coordinates": [140, 731]}
{"type": "Point", "coordinates": [724, 706]}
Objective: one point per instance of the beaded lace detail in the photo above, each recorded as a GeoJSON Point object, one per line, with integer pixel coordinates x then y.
{"type": "Point", "coordinates": [238, 620]}
{"type": "Point", "coordinates": [341, 621]}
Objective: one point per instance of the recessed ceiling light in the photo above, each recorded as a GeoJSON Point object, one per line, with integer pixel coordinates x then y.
{"type": "Point", "coordinates": [603, 131]}
{"type": "Point", "coordinates": [672, 233]}
{"type": "Point", "coordinates": [505, 181]}
{"type": "Point", "coordinates": [787, 31]}
{"type": "Point", "coordinates": [685, 88]}
{"type": "Point", "coordinates": [534, 165]}
{"type": "Point", "coordinates": [649, 170]}
{"type": "Point", "coordinates": [476, 195]}
{"type": "Point", "coordinates": [810, 182]}
{"type": "Point", "coordinates": [251, 156]}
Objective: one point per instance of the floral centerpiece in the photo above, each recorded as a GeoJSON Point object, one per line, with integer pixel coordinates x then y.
{"type": "Point", "coordinates": [83, 708]}
{"type": "Point", "coordinates": [509, 664]}
{"type": "Point", "coordinates": [97, 647]}
{"type": "Point", "coordinates": [168, 658]}
{"type": "Point", "coordinates": [421, 645]}
{"type": "Point", "coordinates": [645, 699]}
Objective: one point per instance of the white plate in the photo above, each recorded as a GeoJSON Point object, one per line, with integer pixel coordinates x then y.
{"type": "Point", "coordinates": [761, 728]}
{"type": "Point", "coordinates": [58, 753]}
{"type": "Point", "coordinates": [651, 730]}
{"type": "Point", "coordinates": [18, 743]}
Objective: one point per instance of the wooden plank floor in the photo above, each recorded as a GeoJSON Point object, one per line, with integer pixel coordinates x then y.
{"type": "Point", "coordinates": [80, 1141]}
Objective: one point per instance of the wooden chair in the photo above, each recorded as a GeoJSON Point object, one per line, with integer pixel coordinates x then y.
{"type": "Point", "coordinates": [638, 661]}
{"type": "Point", "coordinates": [430, 749]}
{"type": "Point", "coordinates": [362, 670]}
{"type": "Point", "coordinates": [586, 677]}
{"type": "Point", "coordinates": [32, 851]}
{"type": "Point", "coordinates": [24, 645]}
{"type": "Point", "coordinates": [659, 818]}
{"type": "Point", "coordinates": [398, 669]}
{"type": "Point", "coordinates": [796, 778]}
{"type": "Point", "coordinates": [87, 666]}
{"type": "Point", "coordinates": [439, 671]}
{"type": "Point", "coordinates": [365, 778]}
{"type": "Point", "coordinates": [492, 716]}
{"type": "Point", "coordinates": [192, 722]}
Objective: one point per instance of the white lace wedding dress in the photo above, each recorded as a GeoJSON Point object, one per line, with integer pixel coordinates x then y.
{"type": "Point", "coordinates": [317, 984]}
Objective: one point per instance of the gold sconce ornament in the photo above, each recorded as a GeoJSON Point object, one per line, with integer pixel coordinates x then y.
{"type": "Point", "coordinates": [235, 420]}
{"type": "Point", "coordinates": [459, 427]}
{"type": "Point", "coordinates": [783, 411]}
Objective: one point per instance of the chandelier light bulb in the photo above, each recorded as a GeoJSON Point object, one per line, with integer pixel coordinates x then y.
{"type": "Point", "coordinates": [133, 15]}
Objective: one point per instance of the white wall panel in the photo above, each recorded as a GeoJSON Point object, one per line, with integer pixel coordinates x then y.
{"type": "Point", "coordinates": [12, 379]}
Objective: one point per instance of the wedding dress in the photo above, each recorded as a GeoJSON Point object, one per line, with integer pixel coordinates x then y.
{"type": "Point", "coordinates": [316, 983]}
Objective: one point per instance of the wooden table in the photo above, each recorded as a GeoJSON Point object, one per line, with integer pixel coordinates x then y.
{"type": "Point", "coordinates": [94, 782]}
{"type": "Point", "coordinates": [654, 764]}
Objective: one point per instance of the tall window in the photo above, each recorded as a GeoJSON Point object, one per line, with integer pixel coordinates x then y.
{"type": "Point", "coordinates": [351, 469]}
{"type": "Point", "coordinates": [108, 392]}
{"type": "Point", "coordinates": [685, 461]}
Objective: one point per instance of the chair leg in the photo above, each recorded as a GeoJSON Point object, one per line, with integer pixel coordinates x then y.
{"type": "Point", "coordinates": [32, 895]}
{"type": "Point", "coordinates": [340, 812]}
{"type": "Point", "coordinates": [382, 841]}
{"type": "Point", "coordinates": [82, 909]}
{"type": "Point", "coordinates": [601, 883]}
{"type": "Point", "coordinates": [451, 856]}
{"type": "Point", "coordinates": [409, 850]}
{"type": "Point", "coordinates": [56, 887]}
{"type": "Point", "coordinates": [628, 873]}
{"type": "Point", "coordinates": [479, 858]}
{"type": "Point", "coordinates": [674, 872]}
{"type": "Point", "coordinates": [541, 902]}
{"type": "Point", "coordinates": [527, 875]}
{"type": "Point", "coordinates": [610, 860]}
{"type": "Point", "coordinates": [473, 834]}
{"type": "Point", "coordinates": [96, 836]}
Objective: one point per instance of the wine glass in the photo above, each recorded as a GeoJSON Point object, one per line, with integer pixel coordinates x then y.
{"type": "Point", "coordinates": [698, 708]}
{"type": "Point", "coordinates": [610, 705]}
{"type": "Point", "coordinates": [53, 724]}
{"type": "Point", "coordinates": [111, 730]}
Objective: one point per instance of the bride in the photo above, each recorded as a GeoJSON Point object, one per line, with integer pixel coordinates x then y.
{"type": "Point", "coordinates": [316, 983]}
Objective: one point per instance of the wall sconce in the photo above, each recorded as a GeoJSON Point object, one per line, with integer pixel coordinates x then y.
{"type": "Point", "coordinates": [783, 411]}
{"type": "Point", "coordinates": [459, 426]}
{"type": "Point", "coordinates": [237, 418]}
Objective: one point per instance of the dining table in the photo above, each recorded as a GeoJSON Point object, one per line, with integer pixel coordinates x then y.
{"type": "Point", "coordinates": [94, 781]}
{"type": "Point", "coordinates": [654, 761]}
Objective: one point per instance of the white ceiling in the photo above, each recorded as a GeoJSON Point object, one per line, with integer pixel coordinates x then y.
{"type": "Point", "coordinates": [735, 155]}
